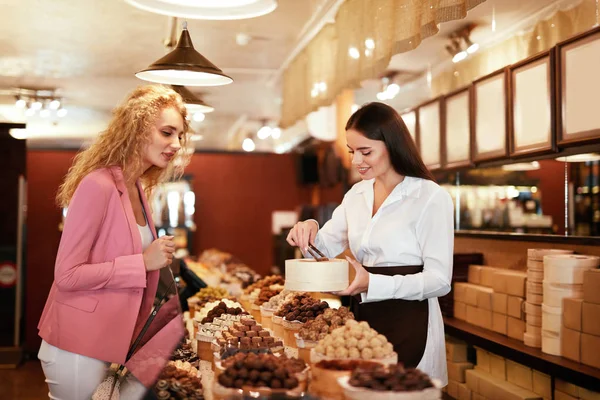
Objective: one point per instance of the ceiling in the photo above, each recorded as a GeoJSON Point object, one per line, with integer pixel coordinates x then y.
{"type": "Point", "coordinates": [90, 50]}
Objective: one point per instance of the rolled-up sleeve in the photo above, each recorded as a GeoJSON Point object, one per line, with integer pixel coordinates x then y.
{"type": "Point", "coordinates": [435, 235]}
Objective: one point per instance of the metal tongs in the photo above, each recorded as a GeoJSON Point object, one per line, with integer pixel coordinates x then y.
{"type": "Point", "coordinates": [316, 253]}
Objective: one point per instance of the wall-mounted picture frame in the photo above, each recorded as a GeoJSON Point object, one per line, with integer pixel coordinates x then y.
{"type": "Point", "coordinates": [410, 118]}
{"type": "Point", "coordinates": [490, 117]}
{"type": "Point", "coordinates": [578, 85]}
{"type": "Point", "coordinates": [457, 150]}
{"type": "Point", "coordinates": [532, 123]}
{"type": "Point", "coordinates": [429, 127]}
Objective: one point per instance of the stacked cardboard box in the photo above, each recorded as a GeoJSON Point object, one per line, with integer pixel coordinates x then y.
{"type": "Point", "coordinates": [567, 391]}
{"type": "Point", "coordinates": [580, 332]}
{"type": "Point", "coordinates": [497, 378]}
{"type": "Point", "coordinates": [563, 278]}
{"type": "Point", "coordinates": [456, 357]}
{"type": "Point", "coordinates": [509, 287]}
{"type": "Point", "coordinates": [473, 300]}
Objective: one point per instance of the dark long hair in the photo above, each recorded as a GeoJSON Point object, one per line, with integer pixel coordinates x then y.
{"type": "Point", "coordinates": [378, 121]}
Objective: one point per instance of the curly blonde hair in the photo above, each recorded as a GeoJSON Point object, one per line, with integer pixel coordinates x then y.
{"type": "Point", "coordinates": [122, 144]}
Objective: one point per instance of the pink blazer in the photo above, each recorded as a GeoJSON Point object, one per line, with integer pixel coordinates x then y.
{"type": "Point", "coordinates": [100, 281]}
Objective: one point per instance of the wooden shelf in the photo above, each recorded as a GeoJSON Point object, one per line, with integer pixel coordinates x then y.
{"type": "Point", "coordinates": [512, 349]}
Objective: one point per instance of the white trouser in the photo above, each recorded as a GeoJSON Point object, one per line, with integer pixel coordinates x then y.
{"type": "Point", "coordinates": [72, 376]}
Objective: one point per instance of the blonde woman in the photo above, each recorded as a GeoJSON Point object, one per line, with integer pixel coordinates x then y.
{"type": "Point", "coordinates": [108, 262]}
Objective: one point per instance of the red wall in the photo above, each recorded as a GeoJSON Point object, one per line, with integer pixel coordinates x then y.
{"type": "Point", "coordinates": [235, 196]}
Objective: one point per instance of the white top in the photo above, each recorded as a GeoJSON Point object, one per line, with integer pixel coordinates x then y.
{"type": "Point", "coordinates": [413, 226]}
{"type": "Point", "coordinates": [146, 235]}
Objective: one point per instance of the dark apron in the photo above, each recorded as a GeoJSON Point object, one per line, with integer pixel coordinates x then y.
{"type": "Point", "coordinates": [403, 322]}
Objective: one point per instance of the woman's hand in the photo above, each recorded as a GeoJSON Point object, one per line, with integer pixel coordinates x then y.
{"type": "Point", "coordinates": [360, 283]}
{"type": "Point", "coordinates": [159, 254]}
{"type": "Point", "coordinates": [303, 233]}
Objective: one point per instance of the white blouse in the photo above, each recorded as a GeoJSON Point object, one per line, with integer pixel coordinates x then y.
{"type": "Point", "coordinates": [413, 226]}
{"type": "Point", "coordinates": [146, 235]}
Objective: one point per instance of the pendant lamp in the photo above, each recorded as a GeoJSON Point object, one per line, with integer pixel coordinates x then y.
{"type": "Point", "coordinates": [192, 102]}
{"type": "Point", "coordinates": [207, 9]}
{"type": "Point", "coordinates": [184, 66]}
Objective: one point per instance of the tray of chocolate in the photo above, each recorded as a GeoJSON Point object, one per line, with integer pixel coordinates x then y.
{"type": "Point", "coordinates": [355, 341]}
{"type": "Point", "coordinates": [248, 334]}
{"type": "Point", "coordinates": [185, 353]}
{"type": "Point", "coordinates": [323, 324]}
{"type": "Point", "coordinates": [301, 307]}
{"type": "Point", "coordinates": [220, 310]}
{"type": "Point", "coordinates": [392, 382]}
{"type": "Point", "coordinates": [260, 371]}
{"type": "Point", "coordinates": [179, 381]}
{"type": "Point", "coordinates": [265, 283]}
{"type": "Point", "coordinates": [295, 366]}
{"type": "Point", "coordinates": [266, 293]}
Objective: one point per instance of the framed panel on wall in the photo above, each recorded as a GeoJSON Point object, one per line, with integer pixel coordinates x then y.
{"type": "Point", "coordinates": [457, 129]}
{"type": "Point", "coordinates": [489, 136]}
{"type": "Point", "coordinates": [429, 127]}
{"type": "Point", "coordinates": [578, 63]}
{"type": "Point", "coordinates": [410, 120]}
{"type": "Point", "coordinates": [532, 105]}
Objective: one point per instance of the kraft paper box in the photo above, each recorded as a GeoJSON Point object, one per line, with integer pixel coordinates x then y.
{"type": "Point", "coordinates": [456, 371]}
{"type": "Point", "coordinates": [483, 360]}
{"type": "Point", "coordinates": [500, 303]}
{"type": "Point", "coordinates": [500, 323]}
{"type": "Point", "coordinates": [498, 367]}
{"type": "Point", "coordinates": [460, 291]}
{"type": "Point", "coordinates": [472, 312]}
{"type": "Point", "coordinates": [515, 328]}
{"type": "Point", "coordinates": [591, 286]}
{"type": "Point", "coordinates": [460, 310]}
{"type": "Point", "coordinates": [484, 318]}
{"type": "Point", "coordinates": [472, 377]}
{"type": "Point", "coordinates": [589, 350]}
{"type": "Point", "coordinates": [558, 395]}
{"type": "Point", "coordinates": [519, 375]}
{"type": "Point", "coordinates": [475, 274]}
{"type": "Point", "coordinates": [484, 298]}
{"type": "Point", "coordinates": [510, 282]}
{"type": "Point", "coordinates": [456, 351]}
{"type": "Point", "coordinates": [566, 387]}
{"type": "Point", "coordinates": [471, 294]}
{"type": "Point", "coordinates": [542, 384]}
{"type": "Point", "coordinates": [487, 276]}
{"type": "Point", "coordinates": [453, 389]}
{"type": "Point", "coordinates": [515, 307]}
{"type": "Point", "coordinates": [590, 319]}
{"type": "Point", "coordinates": [572, 311]}
{"type": "Point", "coordinates": [585, 394]}
{"type": "Point", "coordinates": [464, 393]}
{"type": "Point", "coordinates": [570, 344]}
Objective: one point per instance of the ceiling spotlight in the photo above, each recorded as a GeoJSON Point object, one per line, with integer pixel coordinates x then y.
{"type": "Point", "coordinates": [276, 133]}
{"type": "Point", "coordinates": [61, 112]}
{"type": "Point", "coordinates": [471, 47]}
{"type": "Point", "coordinates": [20, 103]}
{"type": "Point", "coordinates": [458, 57]}
{"type": "Point", "coordinates": [184, 66]}
{"type": "Point", "coordinates": [54, 104]}
{"type": "Point", "coordinates": [264, 132]}
{"type": "Point", "coordinates": [36, 105]}
{"type": "Point", "coordinates": [354, 53]}
{"type": "Point", "coordinates": [207, 9]}
{"type": "Point", "coordinates": [199, 117]}
{"type": "Point", "coordinates": [248, 145]}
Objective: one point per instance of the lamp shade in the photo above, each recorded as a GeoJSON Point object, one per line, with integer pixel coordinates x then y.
{"type": "Point", "coordinates": [184, 66]}
{"type": "Point", "coordinates": [207, 9]}
{"type": "Point", "coordinates": [192, 102]}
